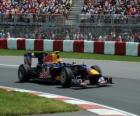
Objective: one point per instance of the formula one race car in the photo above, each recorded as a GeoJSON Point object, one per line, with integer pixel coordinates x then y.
{"type": "Point", "coordinates": [51, 68]}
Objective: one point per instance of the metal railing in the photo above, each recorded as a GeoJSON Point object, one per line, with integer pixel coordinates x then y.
{"type": "Point", "coordinates": [32, 19]}
{"type": "Point", "coordinates": [69, 33]}
{"type": "Point", "coordinates": [59, 19]}
{"type": "Point", "coordinates": [112, 19]}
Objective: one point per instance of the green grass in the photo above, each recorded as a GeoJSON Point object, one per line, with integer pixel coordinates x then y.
{"type": "Point", "coordinates": [16, 103]}
{"type": "Point", "coordinates": [100, 57]}
{"type": "Point", "coordinates": [77, 55]}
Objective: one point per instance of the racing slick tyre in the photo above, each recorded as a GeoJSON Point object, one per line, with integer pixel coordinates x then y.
{"type": "Point", "coordinates": [66, 77]}
{"type": "Point", "coordinates": [23, 72]}
{"type": "Point", "coordinates": [96, 68]}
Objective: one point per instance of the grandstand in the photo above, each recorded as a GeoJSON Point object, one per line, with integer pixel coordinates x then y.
{"type": "Point", "coordinates": [98, 20]}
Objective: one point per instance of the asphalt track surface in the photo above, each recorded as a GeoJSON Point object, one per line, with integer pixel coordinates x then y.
{"type": "Point", "coordinates": [124, 94]}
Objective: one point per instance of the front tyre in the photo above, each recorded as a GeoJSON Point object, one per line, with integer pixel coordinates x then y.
{"type": "Point", "coordinates": [23, 73]}
{"type": "Point", "coordinates": [66, 77]}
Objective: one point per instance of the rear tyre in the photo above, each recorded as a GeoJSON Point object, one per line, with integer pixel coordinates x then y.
{"type": "Point", "coordinates": [96, 68]}
{"type": "Point", "coordinates": [23, 73]}
{"type": "Point", "coordinates": [66, 77]}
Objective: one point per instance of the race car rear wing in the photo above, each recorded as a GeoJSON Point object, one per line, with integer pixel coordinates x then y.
{"type": "Point", "coordinates": [28, 57]}
{"type": "Point", "coordinates": [39, 55]}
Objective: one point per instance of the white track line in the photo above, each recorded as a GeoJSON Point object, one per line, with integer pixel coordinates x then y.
{"type": "Point", "coordinates": [9, 65]}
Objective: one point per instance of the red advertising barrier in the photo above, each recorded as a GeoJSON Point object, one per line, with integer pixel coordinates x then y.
{"type": "Point", "coordinates": [139, 50]}
{"type": "Point", "coordinates": [99, 47]}
{"type": "Point", "coordinates": [58, 45]}
{"type": "Point", "coordinates": [38, 45]}
{"type": "Point", "coordinates": [21, 44]}
{"type": "Point", "coordinates": [78, 46]}
{"type": "Point", "coordinates": [3, 43]}
{"type": "Point", "coordinates": [120, 48]}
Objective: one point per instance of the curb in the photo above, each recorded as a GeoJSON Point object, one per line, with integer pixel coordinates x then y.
{"type": "Point", "coordinates": [95, 108]}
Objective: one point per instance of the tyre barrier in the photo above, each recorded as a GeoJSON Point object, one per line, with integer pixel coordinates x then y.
{"type": "Point", "coordinates": [82, 46]}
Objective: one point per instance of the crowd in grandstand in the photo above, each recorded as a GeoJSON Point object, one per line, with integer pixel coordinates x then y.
{"type": "Point", "coordinates": [36, 10]}
{"type": "Point", "coordinates": [116, 9]}
{"type": "Point", "coordinates": [125, 7]}
{"type": "Point", "coordinates": [34, 6]}
{"type": "Point", "coordinates": [32, 10]}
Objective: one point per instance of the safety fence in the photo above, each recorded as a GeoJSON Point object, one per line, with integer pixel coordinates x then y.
{"type": "Point", "coordinates": [82, 46]}
{"type": "Point", "coordinates": [109, 19]}
{"type": "Point", "coordinates": [51, 19]}
{"type": "Point", "coordinates": [95, 33]}
{"type": "Point", "coordinates": [32, 19]}
{"type": "Point", "coordinates": [89, 27]}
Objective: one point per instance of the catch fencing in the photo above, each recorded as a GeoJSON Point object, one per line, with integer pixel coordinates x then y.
{"type": "Point", "coordinates": [87, 27]}
{"type": "Point", "coordinates": [32, 19]}
{"type": "Point", "coordinates": [109, 19]}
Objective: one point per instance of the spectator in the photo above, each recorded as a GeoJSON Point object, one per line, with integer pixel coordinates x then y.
{"type": "Point", "coordinates": [34, 6]}
{"type": "Point", "coordinates": [110, 7]}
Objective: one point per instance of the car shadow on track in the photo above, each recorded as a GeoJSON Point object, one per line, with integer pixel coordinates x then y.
{"type": "Point", "coordinates": [45, 83]}
{"type": "Point", "coordinates": [58, 85]}
{"type": "Point", "coordinates": [82, 88]}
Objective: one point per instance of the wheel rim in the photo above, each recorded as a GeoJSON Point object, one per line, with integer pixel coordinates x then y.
{"type": "Point", "coordinates": [63, 77]}
{"type": "Point", "coordinates": [20, 75]}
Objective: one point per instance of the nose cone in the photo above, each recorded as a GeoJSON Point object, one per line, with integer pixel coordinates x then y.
{"type": "Point", "coordinates": [93, 72]}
